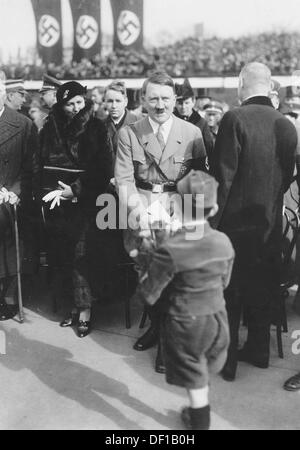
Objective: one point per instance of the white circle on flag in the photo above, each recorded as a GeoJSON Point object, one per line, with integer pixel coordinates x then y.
{"type": "Point", "coordinates": [87, 31]}
{"type": "Point", "coordinates": [49, 30]}
{"type": "Point", "coordinates": [128, 27]}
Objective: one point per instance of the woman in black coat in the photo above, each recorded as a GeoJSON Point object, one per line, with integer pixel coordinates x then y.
{"type": "Point", "coordinates": [76, 167]}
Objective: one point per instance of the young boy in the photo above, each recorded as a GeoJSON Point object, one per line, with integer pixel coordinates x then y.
{"type": "Point", "coordinates": [194, 269]}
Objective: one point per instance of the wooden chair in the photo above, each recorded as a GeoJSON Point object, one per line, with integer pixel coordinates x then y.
{"type": "Point", "coordinates": [291, 229]}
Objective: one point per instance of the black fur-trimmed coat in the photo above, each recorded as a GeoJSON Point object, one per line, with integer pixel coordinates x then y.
{"type": "Point", "coordinates": [81, 143]}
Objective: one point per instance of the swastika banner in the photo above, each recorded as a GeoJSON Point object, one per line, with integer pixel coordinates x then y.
{"type": "Point", "coordinates": [128, 23]}
{"type": "Point", "coordinates": [48, 29]}
{"type": "Point", "coordinates": [87, 30]}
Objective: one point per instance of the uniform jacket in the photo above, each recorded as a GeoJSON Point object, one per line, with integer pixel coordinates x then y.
{"type": "Point", "coordinates": [254, 160]}
{"type": "Point", "coordinates": [18, 145]}
{"type": "Point", "coordinates": [201, 123]}
{"type": "Point", "coordinates": [184, 150]}
{"type": "Point", "coordinates": [195, 271]}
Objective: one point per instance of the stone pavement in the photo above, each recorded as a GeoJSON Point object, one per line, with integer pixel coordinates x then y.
{"type": "Point", "coordinates": [51, 379]}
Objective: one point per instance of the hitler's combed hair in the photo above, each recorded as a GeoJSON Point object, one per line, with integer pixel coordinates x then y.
{"type": "Point", "coordinates": [161, 78]}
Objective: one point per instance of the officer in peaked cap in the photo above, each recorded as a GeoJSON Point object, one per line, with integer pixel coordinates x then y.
{"type": "Point", "coordinates": [185, 102]}
{"type": "Point", "coordinates": [213, 115]}
{"type": "Point", "coordinates": [15, 94]}
{"type": "Point", "coordinates": [48, 91]}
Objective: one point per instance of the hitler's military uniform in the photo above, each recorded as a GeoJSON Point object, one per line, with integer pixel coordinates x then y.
{"type": "Point", "coordinates": [139, 156]}
{"type": "Point", "coordinates": [149, 172]}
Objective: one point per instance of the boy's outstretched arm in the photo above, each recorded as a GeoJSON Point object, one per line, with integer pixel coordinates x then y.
{"type": "Point", "coordinates": [227, 275]}
{"type": "Point", "coordinates": [161, 271]}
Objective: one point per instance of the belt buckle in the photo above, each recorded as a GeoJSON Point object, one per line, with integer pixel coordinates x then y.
{"type": "Point", "coordinates": [157, 188]}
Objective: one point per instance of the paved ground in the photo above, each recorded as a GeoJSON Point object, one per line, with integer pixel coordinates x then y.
{"type": "Point", "coordinates": [54, 380]}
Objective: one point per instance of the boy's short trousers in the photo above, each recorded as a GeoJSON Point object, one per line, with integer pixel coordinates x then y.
{"type": "Point", "coordinates": [193, 347]}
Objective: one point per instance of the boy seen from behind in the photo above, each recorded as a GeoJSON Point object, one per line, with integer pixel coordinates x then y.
{"type": "Point", "coordinates": [193, 269]}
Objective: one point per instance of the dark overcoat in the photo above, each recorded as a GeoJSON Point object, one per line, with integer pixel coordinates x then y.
{"type": "Point", "coordinates": [254, 160]}
{"type": "Point", "coordinates": [80, 146]}
{"type": "Point", "coordinates": [18, 145]}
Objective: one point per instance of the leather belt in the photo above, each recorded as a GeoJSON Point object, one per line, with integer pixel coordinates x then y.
{"type": "Point", "coordinates": [156, 188]}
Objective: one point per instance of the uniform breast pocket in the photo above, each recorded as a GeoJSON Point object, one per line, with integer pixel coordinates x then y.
{"type": "Point", "coordinates": [140, 165]}
{"type": "Point", "coordinates": [181, 166]}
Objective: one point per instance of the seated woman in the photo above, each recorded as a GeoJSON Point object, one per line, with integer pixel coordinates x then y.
{"type": "Point", "coordinates": [76, 168]}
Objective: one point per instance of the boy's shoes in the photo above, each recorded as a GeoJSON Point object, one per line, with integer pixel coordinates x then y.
{"type": "Point", "coordinates": [293, 383]}
{"type": "Point", "coordinates": [196, 419]}
{"type": "Point", "coordinates": [148, 340]}
{"type": "Point", "coordinates": [186, 418]}
{"type": "Point", "coordinates": [257, 361]}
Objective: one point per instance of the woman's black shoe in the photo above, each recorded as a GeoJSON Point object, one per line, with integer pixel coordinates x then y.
{"type": "Point", "coordinates": [69, 321]}
{"type": "Point", "coordinates": [83, 328]}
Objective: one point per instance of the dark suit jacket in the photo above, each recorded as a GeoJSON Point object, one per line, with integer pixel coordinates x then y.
{"type": "Point", "coordinates": [113, 133]}
{"type": "Point", "coordinates": [254, 160]}
{"type": "Point", "coordinates": [18, 144]}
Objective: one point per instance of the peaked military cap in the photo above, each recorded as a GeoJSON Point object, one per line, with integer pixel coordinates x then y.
{"type": "Point", "coordinates": [15, 85]}
{"type": "Point", "coordinates": [184, 91]}
{"type": "Point", "coordinates": [49, 84]}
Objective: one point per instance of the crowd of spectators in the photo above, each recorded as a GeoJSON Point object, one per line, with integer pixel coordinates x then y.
{"type": "Point", "coordinates": [188, 57]}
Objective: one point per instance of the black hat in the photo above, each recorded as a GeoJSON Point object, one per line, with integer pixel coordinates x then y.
{"type": "Point", "coordinates": [184, 90]}
{"type": "Point", "coordinates": [198, 182]}
{"type": "Point", "coordinates": [203, 93]}
{"type": "Point", "coordinates": [69, 90]}
{"type": "Point", "coordinates": [49, 83]}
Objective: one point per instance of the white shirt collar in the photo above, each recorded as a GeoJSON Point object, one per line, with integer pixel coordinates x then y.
{"type": "Point", "coordinates": [119, 120]}
{"type": "Point", "coordinates": [165, 127]}
{"type": "Point", "coordinates": [2, 111]}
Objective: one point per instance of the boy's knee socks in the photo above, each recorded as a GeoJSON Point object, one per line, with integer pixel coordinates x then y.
{"type": "Point", "coordinates": [200, 418]}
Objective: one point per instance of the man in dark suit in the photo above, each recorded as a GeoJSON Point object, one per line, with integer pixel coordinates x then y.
{"type": "Point", "coordinates": [254, 160]}
{"type": "Point", "coordinates": [153, 154]}
{"type": "Point", "coordinates": [115, 99]}
{"type": "Point", "coordinates": [17, 144]}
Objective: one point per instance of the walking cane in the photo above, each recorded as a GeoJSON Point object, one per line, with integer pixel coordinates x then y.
{"type": "Point", "coordinates": [20, 300]}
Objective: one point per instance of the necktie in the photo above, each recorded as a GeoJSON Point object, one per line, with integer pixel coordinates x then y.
{"type": "Point", "coordinates": [160, 139]}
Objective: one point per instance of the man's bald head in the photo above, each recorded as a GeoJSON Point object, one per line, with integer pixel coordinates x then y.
{"type": "Point", "coordinates": [2, 94]}
{"type": "Point", "coordinates": [254, 79]}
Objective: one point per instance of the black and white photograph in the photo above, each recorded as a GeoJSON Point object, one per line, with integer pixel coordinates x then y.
{"type": "Point", "coordinates": [149, 217]}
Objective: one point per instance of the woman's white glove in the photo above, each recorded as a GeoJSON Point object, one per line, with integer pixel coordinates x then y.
{"type": "Point", "coordinates": [64, 193]}
{"type": "Point", "coordinates": [55, 197]}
